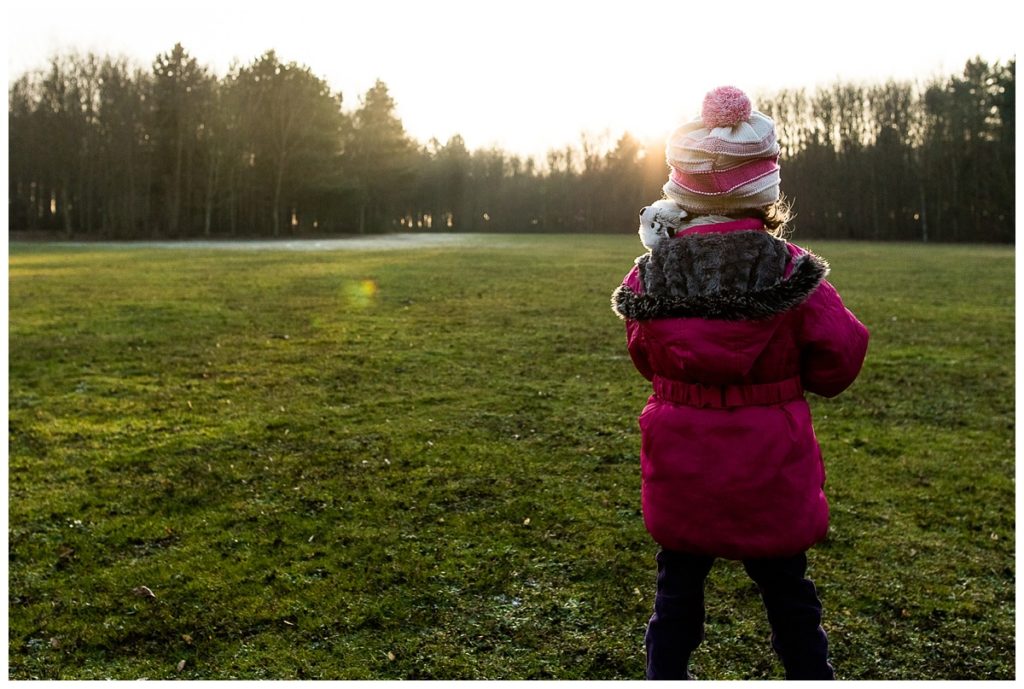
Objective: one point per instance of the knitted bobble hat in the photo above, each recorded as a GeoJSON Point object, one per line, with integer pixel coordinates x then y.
{"type": "Point", "coordinates": [726, 160]}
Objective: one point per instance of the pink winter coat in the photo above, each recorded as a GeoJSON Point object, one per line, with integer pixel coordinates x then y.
{"type": "Point", "coordinates": [732, 325]}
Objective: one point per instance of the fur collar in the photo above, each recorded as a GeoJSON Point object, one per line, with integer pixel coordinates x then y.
{"type": "Point", "coordinates": [721, 276]}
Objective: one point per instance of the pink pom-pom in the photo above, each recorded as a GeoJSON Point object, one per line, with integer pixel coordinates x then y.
{"type": "Point", "coordinates": [726, 106]}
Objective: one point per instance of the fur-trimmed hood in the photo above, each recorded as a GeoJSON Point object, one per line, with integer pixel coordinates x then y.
{"type": "Point", "coordinates": [738, 275]}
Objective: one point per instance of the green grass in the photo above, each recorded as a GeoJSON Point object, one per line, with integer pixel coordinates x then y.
{"type": "Point", "coordinates": [323, 464]}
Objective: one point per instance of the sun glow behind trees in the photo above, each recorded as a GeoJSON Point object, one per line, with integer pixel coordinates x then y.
{"type": "Point", "coordinates": [101, 150]}
{"type": "Point", "coordinates": [530, 76]}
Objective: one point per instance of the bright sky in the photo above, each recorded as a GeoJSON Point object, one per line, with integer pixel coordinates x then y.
{"type": "Point", "coordinates": [531, 75]}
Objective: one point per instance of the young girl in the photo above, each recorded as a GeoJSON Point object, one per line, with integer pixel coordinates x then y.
{"type": "Point", "coordinates": [732, 324]}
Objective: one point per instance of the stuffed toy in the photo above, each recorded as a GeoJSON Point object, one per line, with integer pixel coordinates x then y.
{"type": "Point", "coordinates": [660, 221]}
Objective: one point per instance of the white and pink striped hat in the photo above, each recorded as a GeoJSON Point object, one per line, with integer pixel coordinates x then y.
{"type": "Point", "coordinates": [727, 160]}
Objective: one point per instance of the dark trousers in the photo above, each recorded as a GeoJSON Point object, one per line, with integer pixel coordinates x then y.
{"type": "Point", "coordinates": [794, 612]}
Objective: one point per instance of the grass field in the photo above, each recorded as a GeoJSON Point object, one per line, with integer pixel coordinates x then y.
{"type": "Point", "coordinates": [423, 464]}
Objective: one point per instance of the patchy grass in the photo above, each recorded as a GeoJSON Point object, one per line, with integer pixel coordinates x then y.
{"type": "Point", "coordinates": [423, 464]}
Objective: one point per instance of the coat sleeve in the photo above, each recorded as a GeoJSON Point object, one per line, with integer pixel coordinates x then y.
{"type": "Point", "coordinates": [635, 341]}
{"type": "Point", "coordinates": [833, 343]}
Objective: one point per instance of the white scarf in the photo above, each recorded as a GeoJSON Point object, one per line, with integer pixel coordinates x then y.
{"type": "Point", "coordinates": [703, 220]}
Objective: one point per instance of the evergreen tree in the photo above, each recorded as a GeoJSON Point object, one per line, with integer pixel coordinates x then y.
{"type": "Point", "coordinates": [379, 157]}
{"type": "Point", "coordinates": [181, 94]}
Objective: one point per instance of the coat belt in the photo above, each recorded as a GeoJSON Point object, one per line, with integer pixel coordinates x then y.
{"type": "Point", "coordinates": [725, 396]}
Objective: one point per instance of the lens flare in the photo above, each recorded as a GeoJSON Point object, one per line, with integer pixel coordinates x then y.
{"type": "Point", "coordinates": [361, 293]}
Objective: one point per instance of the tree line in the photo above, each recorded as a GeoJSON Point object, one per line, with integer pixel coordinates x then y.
{"type": "Point", "coordinates": [101, 148]}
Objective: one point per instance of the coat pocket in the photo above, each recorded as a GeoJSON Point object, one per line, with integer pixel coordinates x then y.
{"type": "Point", "coordinates": [645, 413]}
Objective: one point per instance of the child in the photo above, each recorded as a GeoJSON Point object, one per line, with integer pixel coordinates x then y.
{"type": "Point", "coordinates": [732, 324]}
